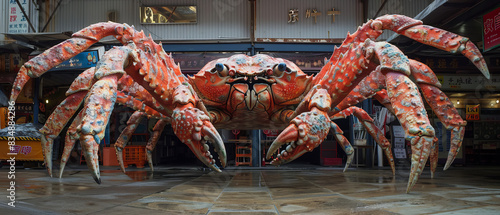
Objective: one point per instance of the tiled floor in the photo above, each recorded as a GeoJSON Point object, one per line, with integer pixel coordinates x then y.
{"type": "Point", "coordinates": [460, 190]}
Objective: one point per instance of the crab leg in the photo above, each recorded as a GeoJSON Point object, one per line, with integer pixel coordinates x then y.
{"type": "Point", "coordinates": [124, 137]}
{"type": "Point", "coordinates": [170, 88]}
{"type": "Point", "coordinates": [434, 156]}
{"type": "Point", "coordinates": [153, 140]}
{"type": "Point", "coordinates": [72, 135]}
{"type": "Point", "coordinates": [382, 97]}
{"type": "Point", "coordinates": [100, 102]}
{"type": "Point", "coordinates": [413, 29]}
{"type": "Point", "coordinates": [56, 122]}
{"type": "Point", "coordinates": [372, 129]}
{"type": "Point", "coordinates": [410, 111]}
{"type": "Point", "coordinates": [131, 91]}
{"type": "Point", "coordinates": [434, 37]}
{"type": "Point", "coordinates": [70, 140]}
{"type": "Point", "coordinates": [63, 113]}
{"type": "Point", "coordinates": [440, 105]}
{"type": "Point", "coordinates": [63, 51]}
{"type": "Point", "coordinates": [344, 143]}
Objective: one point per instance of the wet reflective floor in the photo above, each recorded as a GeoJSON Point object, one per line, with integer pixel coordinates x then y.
{"type": "Point", "coordinates": [193, 190]}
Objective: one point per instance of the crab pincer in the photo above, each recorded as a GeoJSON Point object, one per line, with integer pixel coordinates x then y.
{"type": "Point", "coordinates": [305, 133]}
{"type": "Point", "coordinates": [193, 127]}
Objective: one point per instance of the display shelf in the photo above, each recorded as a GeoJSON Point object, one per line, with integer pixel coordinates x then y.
{"type": "Point", "coordinates": [243, 151]}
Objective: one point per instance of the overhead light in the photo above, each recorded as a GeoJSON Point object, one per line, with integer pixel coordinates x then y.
{"type": "Point", "coordinates": [458, 102]}
{"type": "Point", "coordinates": [497, 101]}
{"type": "Point", "coordinates": [47, 101]}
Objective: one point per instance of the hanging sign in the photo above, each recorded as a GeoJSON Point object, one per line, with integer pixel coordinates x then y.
{"type": "Point", "coordinates": [471, 112]}
{"type": "Point", "coordinates": [491, 29]}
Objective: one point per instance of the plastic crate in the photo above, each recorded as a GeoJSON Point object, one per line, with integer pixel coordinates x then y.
{"type": "Point", "coordinates": [134, 155]}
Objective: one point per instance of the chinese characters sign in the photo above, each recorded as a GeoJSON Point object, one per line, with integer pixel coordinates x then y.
{"type": "Point", "coordinates": [454, 82]}
{"type": "Point", "coordinates": [27, 149]}
{"type": "Point", "coordinates": [491, 31]}
{"type": "Point", "coordinates": [17, 21]}
{"type": "Point", "coordinates": [471, 112]}
{"type": "Point", "coordinates": [293, 14]}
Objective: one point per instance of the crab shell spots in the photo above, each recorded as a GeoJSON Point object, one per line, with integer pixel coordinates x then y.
{"type": "Point", "coordinates": [289, 86]}
{"type": "Point", "coordinates": [210, 86]}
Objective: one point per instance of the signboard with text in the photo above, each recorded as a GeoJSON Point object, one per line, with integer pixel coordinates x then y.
{"type": "Point", "coordinates": [491, 29]}
{"type": "Point", "coordinates": [83, 60]}
{"type": "Point", "coordinates": [471, 112]}
{"type": "Point", "coordinates": [477, 82]}
{"type": "Point", "coordinates": [17, 21]}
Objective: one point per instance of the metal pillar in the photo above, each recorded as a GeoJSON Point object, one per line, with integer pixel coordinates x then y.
{"type": "Point", "coordinates": [256, 148]}
{"type": "Point", "coordinates": [36, 101]}
{"type": "Point", "coordinates": [367, 106]}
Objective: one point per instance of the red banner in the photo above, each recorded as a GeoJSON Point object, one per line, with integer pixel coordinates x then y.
{"type": "Point", "coordinates": [491, 31]}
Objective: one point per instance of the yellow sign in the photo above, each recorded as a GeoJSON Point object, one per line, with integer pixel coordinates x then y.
{"type": "Point", "coordinates": [471, 112]}
{"type": "Point", "coordinates": [25, 149]}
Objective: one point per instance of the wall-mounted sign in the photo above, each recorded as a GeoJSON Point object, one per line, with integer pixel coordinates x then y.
{"type": "Point", "coordinates": [83, 60]}
{"type": "Point", "coordinates": [491, 29]}
{"type": "Point", "coordinates": [471, 112]}
{"type": "Point", "coordinates": [478, 82]}
{"type": "Point", "coordinates": [168, 14]}
{"type": "Point", "coordinates": [293, 15]}
{"type": "Point", "coordinates": [17, 22]}
{"type": "Point", "coordinates": [332, 13]}
{"type": "Point", "coordinates": [314, 13]}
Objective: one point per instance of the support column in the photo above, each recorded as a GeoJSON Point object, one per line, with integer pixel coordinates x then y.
{"type": "Point", "coordinates": [367, 106]}
{"type": "Point", "coordinates": [36, 101]}
{"type": "Point", "coordinates": [256, 148]}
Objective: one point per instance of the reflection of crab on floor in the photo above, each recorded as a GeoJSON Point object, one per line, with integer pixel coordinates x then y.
{"type": "Point", "coordinates": [255, 92]}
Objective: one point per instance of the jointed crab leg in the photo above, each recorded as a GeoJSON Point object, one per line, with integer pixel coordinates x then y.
{"type": "Point", "coordinates": [79, 42]}
{"type": "Point", "coordinates": [153, 140]}
{"type": "Point", "coordinates": [372, 129]}
{"type": "Point", "coordinates": [70, 140]}
{"type": "Point", "coordinates": [63, 113]}
{"type": "Point", "coordinates": [440, 105]}
{"type": "Point", "coordinates": [344, 143]}
{"type": "Point", "coordinates": [410, 111]}
{"type": "Point", "coordinates": [124, 137]}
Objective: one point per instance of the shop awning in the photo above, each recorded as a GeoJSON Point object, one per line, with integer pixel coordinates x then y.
{"type": "Point", "coordinates": [15, 47]}
{"type": "Point", "coordinates": [42, 40]}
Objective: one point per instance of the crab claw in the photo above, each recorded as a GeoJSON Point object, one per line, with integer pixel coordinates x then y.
{"type": "Point", "coordinates": [193, 127]}
{"type": "Point", "coordinates": [420, 147]}
{"type": "Point", "coordinates": [304, 134]}
{"type": "Point", "coordinates": [457, 135]}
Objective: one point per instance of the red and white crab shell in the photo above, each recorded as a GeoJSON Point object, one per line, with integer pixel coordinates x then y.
{"type": "Point", "coordinates": [253, 92]}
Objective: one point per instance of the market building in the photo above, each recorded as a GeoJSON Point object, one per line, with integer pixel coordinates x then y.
{"type": "Point", "coordinates": [304, 32]}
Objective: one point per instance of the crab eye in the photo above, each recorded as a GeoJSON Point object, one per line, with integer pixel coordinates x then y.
{"type": "Point", "coordinates": [279, 69]}
{"type": "Point", "coordinates": [282, 67]}
{"type": "Point", "coordinates": [221, 69]}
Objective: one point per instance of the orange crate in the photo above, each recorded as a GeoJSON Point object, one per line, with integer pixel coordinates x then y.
{"type": "Point", "coordinates": [134, 155]}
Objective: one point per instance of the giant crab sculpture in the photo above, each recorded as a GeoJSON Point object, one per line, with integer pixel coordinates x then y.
{"type": "Point", "coordinates": [253, 92]}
